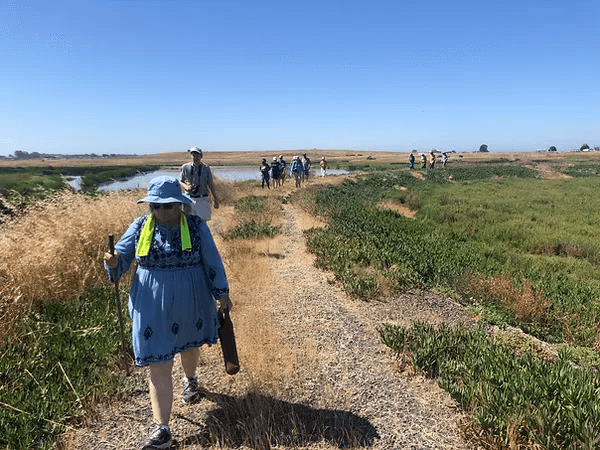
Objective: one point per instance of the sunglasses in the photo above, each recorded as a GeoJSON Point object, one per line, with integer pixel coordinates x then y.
{"type": "Point", "coordinates": [155, 206]}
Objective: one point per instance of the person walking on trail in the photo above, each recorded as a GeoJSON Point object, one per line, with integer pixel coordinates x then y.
{"type": "Point", "coordinates": [431, 160]}
{"type": "Point", "coordinates": [444, 159]}
{"type": "Point", "coordinates": [179, 277]}
{"type": "Point", "coordinates": [423, 161]}
{"type": "Point", "coordinates": [411, 161]}
{"type": "Point", "coordinates": [323, 165]}
{"type": "Point", "coordinates": [306, 164]}
{"type": "Point", "coordinates": [275, 172]}
{"type": "Point", "coordinates": [283, 169]}
{"type": "Point", "coordinates": [264, 172]}
{"type": "Point", "coordinates": [297, 170]}
{"type": "Point", "coordinates": [197, 181]}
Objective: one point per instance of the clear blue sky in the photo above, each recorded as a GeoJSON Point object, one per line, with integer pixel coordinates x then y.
{"type": "Point", "coordinates": [154, 76]}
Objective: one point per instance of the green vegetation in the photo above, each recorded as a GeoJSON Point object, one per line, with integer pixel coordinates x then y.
{"type": "Point", "coordinates": [257, 212]}
{"type": "Point", "coordinates": [519, 251]}
{"type": "Point", "coordinates": [582, 170]}
{"type": "Point", "coordinates": [38, 182]}
{"type": "Point", "coordinates": [30, 181]}
{"type": "Point", "coordinates": [522, 399]}
{"type": "Point", "coordinates": [522, 250]}
{"type": "Point", "coordinates": [251, 203]}
{"type": "Point", "coordinates": [253, 230]}
{"type": "Point", "coordinates": [52, 372]}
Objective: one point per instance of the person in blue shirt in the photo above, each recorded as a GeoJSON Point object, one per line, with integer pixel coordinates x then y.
{"type": "Point", "coordinates": [297, 170]}
{"type": "Point", "coordinates": [179, 276]}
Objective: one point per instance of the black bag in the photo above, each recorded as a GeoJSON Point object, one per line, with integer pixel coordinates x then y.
{"type": "Point", "coordinates": [227, 338]}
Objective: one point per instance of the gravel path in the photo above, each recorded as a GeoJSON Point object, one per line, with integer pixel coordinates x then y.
{"type": "Point", "coordinates": [343, 383]}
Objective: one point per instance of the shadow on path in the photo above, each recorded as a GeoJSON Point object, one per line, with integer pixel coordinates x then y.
{"type": "Point", "coordinates": [261, 422]}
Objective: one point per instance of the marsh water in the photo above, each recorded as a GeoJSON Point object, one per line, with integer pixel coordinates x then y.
{"type": "Point", "coordinates": [228, 173]}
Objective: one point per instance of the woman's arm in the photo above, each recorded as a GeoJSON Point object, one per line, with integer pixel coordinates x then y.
{"type": "Point", "coordinates": [124, 250]}
{"type": "Point", "coordinates": [213, 264]}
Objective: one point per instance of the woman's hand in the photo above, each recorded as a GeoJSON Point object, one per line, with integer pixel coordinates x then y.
{"type": "Point", "coordinates": [112, 261]}
{"type": "Point", "coordinates": [224, 303]}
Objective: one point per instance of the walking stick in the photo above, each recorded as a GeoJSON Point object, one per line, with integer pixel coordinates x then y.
{"type": "Point", "coordinates": [111, 246]}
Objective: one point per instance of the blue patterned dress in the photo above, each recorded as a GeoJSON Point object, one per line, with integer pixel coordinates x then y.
{"type": "Point", "coordinates": [171, 301]}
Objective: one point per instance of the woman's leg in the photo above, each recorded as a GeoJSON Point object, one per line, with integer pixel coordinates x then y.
{"type": "Point", "coordinates": [189, 361]}
{"type": "Point", "coordinates": [161, 392]}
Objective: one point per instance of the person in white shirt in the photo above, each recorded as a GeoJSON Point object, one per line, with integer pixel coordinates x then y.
{"type": "Point", "coordinates": [197, 181]}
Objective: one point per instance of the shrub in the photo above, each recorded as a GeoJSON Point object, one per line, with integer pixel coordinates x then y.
{"type": "Point", "coordinates": [523, 398]}
{"type": "Point", "coordinates": [251, 203]}
{"type": "Point", "coordinates": [252, 230]}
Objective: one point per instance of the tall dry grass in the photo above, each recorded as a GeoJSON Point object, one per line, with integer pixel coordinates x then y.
{"type": "Point", "coordinates": [54, 249]}
{"type": "Point", "coordinates": [247, 266]}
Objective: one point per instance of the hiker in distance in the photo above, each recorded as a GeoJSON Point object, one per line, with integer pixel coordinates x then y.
{"type": "Point", "coordinates": [283, 170]}
{"type": "Point", "coordinates": [264, 173]}
{"type": "Point", "coordinates": [306, 163]}
{"type": "Point", "coordinates": [178, 277]}
{"type": "Point", "coordinates": [197, 181]}
{"type": "Point", "coordinates": [297, 170]}
{"type": "Point", "coordinates": [323, 165]}
{"type": "Point", "coordinates": [275, 172]}
{"type": "Point", "coordinates": [431, 159]}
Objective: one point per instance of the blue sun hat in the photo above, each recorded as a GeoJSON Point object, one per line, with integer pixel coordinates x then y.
{"type": "Point", "coordinates": [165, 189]}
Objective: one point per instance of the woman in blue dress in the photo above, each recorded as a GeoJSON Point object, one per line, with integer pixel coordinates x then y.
{"type": "Point", "coordinates": [178, 277]}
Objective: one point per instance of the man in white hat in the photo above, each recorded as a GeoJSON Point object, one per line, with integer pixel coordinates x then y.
{"type": "Point", "coordinates": [431, 159]}
{"type": "Point", "coordinates": [323, 165]}
{"type": "Point", "coordinates": [197, 181]}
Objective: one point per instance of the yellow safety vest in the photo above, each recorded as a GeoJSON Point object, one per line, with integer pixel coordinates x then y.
{"type": "Point", "coordinates": [147, 233]}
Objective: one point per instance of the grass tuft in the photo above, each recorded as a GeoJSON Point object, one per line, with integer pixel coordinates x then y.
{"type": "Point", "coordinates": [253, 230]}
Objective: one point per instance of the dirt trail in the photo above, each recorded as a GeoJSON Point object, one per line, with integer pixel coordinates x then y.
{"type": "Point", "coordinates": [327, 364]}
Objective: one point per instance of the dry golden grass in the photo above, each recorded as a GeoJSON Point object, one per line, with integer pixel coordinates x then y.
{"type": "Point", "coordinates": [54, 250]}
{"type": "Point", "coordinates": [525, 302]}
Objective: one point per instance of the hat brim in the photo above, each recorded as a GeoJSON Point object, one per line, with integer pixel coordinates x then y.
{"type": "Point", "coordinates": [182, 198]}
